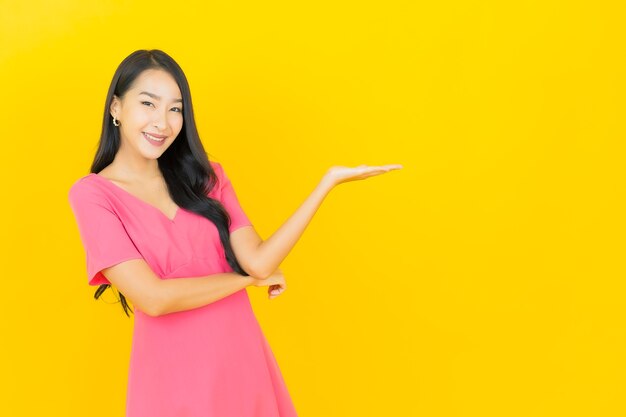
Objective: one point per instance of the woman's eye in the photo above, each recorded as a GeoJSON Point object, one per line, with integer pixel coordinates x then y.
{"type": "Point", "coordinates": [145, 102]}
{"type": "Point", "coordinates": [177, 109]}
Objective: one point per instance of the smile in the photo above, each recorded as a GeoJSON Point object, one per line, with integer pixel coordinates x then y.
{"type": "Point", "coordinates": [153, 140]}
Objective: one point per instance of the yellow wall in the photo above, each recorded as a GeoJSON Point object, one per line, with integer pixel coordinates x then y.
{"type": "Point", "coordinates": [486, 278]}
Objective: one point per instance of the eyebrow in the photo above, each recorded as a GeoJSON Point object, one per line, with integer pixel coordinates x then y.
{"type": "Point", "coordinates": [154, 96]}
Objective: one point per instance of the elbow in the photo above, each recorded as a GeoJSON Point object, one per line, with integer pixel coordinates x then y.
{"type": "Point", "coordinates": [258, 273]}
{"type": "Point", "coordinates": [155, 312]}
{"type": "Point", "coordinates": [153, 309]}
{"type": "Point", "coordinates": [156, 305]}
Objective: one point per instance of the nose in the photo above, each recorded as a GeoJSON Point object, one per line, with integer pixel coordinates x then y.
{"type": "Point", "coordinates": [159, 121]}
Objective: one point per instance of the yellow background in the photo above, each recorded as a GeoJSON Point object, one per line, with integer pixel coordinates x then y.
{"type": "Point", "coordinates": [486, 278]}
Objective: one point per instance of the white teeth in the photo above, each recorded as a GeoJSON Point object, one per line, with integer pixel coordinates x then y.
{"type": "Point", "coordinates": [153, 138]}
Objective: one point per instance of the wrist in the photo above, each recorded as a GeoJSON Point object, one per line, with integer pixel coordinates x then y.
{"type": "Point", "coordinates": [247, 280]}
{"type": "Point", "coordinates": [327, 183]}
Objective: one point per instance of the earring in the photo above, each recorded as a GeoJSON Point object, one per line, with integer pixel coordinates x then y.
{"type": "Point", "coordinates": [115, 124]}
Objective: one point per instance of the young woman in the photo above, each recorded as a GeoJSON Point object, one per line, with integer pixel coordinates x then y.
{"type": "Point", "coordinates": [162, 224]}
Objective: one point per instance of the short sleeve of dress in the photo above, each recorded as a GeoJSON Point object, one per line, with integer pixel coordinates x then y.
{"type": "Point", "coordinates": [229, 200]}
{"type": "Point", "coordinates": [102, 233]}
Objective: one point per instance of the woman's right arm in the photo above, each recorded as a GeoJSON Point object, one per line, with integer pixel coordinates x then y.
{"type": "Point", "coordinates": [155, 296]}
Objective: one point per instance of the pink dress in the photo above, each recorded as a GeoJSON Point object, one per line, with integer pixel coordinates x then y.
{"type": "Point", "coordinates": [211, 361]}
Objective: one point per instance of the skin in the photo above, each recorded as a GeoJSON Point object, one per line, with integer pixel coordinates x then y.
{"type": "Point", "coordinates": [135, 169]}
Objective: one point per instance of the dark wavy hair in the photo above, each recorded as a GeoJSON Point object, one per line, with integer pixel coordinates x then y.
{"type": "Point", "coordinates": [185, 165]}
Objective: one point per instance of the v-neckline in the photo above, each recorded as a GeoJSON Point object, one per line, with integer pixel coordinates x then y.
{"type": "Point", "coordinates": [171, 220]}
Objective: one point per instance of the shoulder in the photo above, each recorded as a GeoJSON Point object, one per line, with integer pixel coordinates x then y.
{"type": "Point", "coordinates": [81, 186]}
{"type": "Point", "coordinates": [217, 168]}
{"type": "Point", "coordinates": [86, 189]}
{"type": "Point", "coordinates": [222, 178]}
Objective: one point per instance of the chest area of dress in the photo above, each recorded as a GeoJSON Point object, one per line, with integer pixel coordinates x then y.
{"type": "Point", "coordinates": [188, 245]}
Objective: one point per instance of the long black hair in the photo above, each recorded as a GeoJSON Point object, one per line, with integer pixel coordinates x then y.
{"type": "Point", "coordinates": [184, 165]}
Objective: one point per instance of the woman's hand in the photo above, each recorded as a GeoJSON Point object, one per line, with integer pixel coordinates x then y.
{"type": "Point", "coordinates": [338, 174]}
{"type": "Point", "coordinates": [275, 282]}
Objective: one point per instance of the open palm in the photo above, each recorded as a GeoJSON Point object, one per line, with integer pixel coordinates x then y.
{"type": "Point", "coordinates": [339, 174]}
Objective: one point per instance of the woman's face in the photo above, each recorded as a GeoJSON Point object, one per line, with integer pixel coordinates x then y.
{"type": "Point", "coordinates": [153, 106]}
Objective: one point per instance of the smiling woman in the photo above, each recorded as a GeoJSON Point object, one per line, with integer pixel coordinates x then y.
{"type": "Point", "coordinates": [156, 217]}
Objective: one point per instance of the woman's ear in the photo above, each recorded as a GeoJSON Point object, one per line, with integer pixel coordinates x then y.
{"type": "Point", "coordinates": [115, 104]}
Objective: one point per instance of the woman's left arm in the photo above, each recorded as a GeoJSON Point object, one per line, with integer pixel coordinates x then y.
{"type": "Point", "coordinates": [261, 258]}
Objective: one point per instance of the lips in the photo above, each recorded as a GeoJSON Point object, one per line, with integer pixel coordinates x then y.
{"type": "Point", "coordinates": [153, 141]}
{"type": "Point", "coordinates": [154, 136]}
